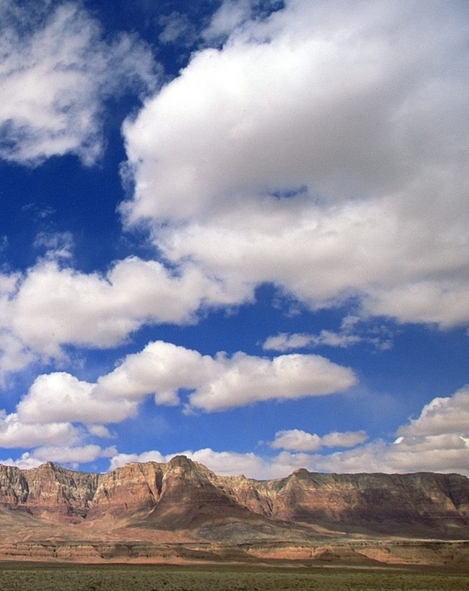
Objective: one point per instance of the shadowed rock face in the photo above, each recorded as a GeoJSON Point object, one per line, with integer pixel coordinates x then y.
{"type": "Point", "coordinates": [387, 503]}
{"type": "Point", "coordinates": [182, 495]}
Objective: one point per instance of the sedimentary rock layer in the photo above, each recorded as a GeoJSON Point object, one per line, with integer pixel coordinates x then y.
{"type": "Point", "coordinates": [184, 495]}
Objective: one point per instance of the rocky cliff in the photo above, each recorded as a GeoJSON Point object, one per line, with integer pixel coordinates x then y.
{"type": "Point", "coordinates": [183, 496]}
{"type": "Point", "coordinates": [413, 504]}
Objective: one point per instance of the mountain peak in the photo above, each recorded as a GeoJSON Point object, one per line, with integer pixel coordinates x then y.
{"type": "Point", "coordinates": [181, 461]}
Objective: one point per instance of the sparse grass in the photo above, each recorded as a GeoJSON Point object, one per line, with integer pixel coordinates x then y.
{"type": "Point", "coordinates": [53, 577]}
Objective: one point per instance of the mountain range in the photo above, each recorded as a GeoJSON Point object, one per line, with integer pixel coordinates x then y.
{"type": "Point", "coordinates": [182, 511]}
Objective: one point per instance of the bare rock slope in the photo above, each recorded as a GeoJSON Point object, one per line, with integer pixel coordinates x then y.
{"type": "Point", "coordinates": [184, 504]}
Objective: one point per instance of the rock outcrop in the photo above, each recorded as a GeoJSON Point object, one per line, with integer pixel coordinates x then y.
{"type": "Point", "coordinates": [140, 500]}
{"type": "Point", "coordinates": [413, 504]}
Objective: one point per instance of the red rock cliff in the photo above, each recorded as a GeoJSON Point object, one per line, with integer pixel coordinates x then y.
{"type": "Point", "coordinates": [183, 494]}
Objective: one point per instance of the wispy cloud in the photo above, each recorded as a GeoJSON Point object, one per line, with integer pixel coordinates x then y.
{"type": "Point", "coordinates": [298, 440]}
{"type": "Point", "coordinates": [352, 332]}
{"type": "Point", "coordinates": [55, 74]}
{"type": "Point", "coordinates": [56, 245]}
{"type": "Point", "coordinates": [177, 28]}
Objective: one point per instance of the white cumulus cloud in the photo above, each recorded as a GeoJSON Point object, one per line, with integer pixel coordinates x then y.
{"type": "Point", "coordinates": [322, 149]}
{"type": "Point", "coordinates": [52, 305]}
{"type": "Point", "coordinates": [16, 433]}
{"type": "Point", "coordinates": [221, 382]}
{"type": "Point", "coordinates": [441, 416]}
{"type": "Point", "coordinates": [73, 455]}
{"type": "Point", "coordinates": [60, 397]}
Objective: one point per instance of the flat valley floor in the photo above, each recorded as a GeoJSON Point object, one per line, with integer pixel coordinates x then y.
{"type": "Point", "coordinates": [20, 576]}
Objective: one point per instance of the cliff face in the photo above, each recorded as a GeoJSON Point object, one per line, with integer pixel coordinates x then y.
{"type": "Point", "coordinates": [182, 495]}
{"type": "Point", "coordinates": [49, 489]}
{"type": "Point", "coordinates": [388, 503]}
{"type": "Point", "coordinates": [132, 489]}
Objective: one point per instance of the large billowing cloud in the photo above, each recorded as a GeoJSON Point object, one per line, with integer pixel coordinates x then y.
{"type": "Point", "coordinates": [221, 382]}
{"type": "Point", "coordinates": [56, 70]}
{"type": "Point", "coordinates": [323, 149]}
{"type": "Point", "coordinates": [162, 369]}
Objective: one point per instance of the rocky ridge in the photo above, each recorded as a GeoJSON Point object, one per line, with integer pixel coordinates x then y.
{"type": "Point", "coordinates": [182, 504]}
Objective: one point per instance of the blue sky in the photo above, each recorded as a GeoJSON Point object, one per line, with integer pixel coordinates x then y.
{"type": "Point", "coordinates": [235, 229]}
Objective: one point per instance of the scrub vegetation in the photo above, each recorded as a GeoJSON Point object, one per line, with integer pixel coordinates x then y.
{"type": "Point", "coordinates": [52, 577]}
